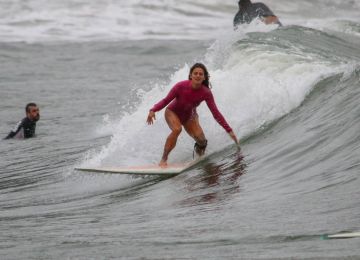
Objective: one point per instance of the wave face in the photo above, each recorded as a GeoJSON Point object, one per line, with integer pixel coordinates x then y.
{"type": "Point", "coordinates": [256, 77]}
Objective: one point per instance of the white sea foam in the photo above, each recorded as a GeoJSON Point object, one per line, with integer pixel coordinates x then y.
{"type": "Point", "coordinates": [252, 87]}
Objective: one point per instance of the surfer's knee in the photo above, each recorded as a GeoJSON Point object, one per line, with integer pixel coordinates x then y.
{"type": "Point", "coordinates": [176, 130]}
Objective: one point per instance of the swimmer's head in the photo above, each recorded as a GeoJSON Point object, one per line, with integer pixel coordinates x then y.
{"type": "Point", "coordinates": [32, 112]}
{"type": "Point", "coordinates": [244, 3]}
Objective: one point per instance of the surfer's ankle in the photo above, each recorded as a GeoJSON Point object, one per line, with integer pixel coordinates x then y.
{"type": "Point", "coordinates": [200, 147]}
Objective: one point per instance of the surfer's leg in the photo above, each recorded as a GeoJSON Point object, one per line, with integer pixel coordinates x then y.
{"type": "Point", "coordinates": [193, 128]}
{"type": "Point", "coordinates": [174, 124]}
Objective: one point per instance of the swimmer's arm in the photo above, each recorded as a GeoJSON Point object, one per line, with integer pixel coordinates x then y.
{"type": "Point", "coordinates": [15, 130]}
{"type": "Point", "coordinates": [271, 19]}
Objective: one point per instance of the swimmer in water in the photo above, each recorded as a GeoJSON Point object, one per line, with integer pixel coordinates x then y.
{"type": "Point", "coordinates": [249, 11]}
{"type": "Point", "coordinates": [26, 127]}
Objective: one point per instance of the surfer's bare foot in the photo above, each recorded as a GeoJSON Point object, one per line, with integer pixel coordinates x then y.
{"type": "Point", "coordinates": [162, 164]}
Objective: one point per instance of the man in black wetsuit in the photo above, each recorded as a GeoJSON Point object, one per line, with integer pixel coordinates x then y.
{"type": "Point", "coordinates": [26, 127]}
{"type": "Point", "coordinates": [249, 11]}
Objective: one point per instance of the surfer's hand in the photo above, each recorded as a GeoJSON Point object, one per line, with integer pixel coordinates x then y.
{"type": "Point", "coordinates": [151, 117]}
{"type": "Point", "coordinates": [233, 136]}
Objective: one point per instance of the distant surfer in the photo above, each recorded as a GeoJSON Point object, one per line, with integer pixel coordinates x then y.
{"type": "Point", "coordinates": [249, 11]}
{"type": "Point", "coordinates": [26, 127]}
{"type": "Point", "coordinates": [185, 96]}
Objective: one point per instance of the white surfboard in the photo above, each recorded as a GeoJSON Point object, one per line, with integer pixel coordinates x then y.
{"type": "Point", "coordinates": [344, 235]}
{"type": "Point", "coordinates": [170, 169]}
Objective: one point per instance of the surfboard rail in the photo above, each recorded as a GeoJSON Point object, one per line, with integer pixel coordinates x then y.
{"type": "Point", "coordinates": [171, 169]}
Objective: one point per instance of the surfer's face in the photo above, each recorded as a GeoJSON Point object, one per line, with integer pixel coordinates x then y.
{"type": "Point", "coordinates": [197, 77]}
{"type": "Point", "coordinates": [34, 113]}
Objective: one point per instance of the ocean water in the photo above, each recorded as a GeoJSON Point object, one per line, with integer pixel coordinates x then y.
{"type": "Point", "coordinates": [95, 68]}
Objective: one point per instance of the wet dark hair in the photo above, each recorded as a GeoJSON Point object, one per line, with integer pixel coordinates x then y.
{"type": "Point", "coordinates": [206, 82]}
{"type": "Point", "coordinates": [244, 3]}
{"type": "Point", "coordinates": [27, 108]}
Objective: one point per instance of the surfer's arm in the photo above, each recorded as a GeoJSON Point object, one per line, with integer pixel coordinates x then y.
{"type": "Point", "coordinates": [220, 118]}
{"type": "Point", "coordinates": [165, 101]}
{"type": "Point", "coordinates": [233, 136]}
{"type": "Point", "coordinates": [10, 135]}
{"type": "Point", "coordinates": [161, 104]}
{"type": "Point", "coordinates": [15, 131]}
{"type": "Point", "coordinates": [272, 19]}
{"type": "Point", "coordinates": [266, 15]}
{"type": "Point", "coordinates": [210, 102]}
{"type": "Point", "coordinates": [237, 20]}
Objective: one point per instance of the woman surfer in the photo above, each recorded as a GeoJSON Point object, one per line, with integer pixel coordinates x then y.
{"type": "Point", "coordinates": [186, 96]}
